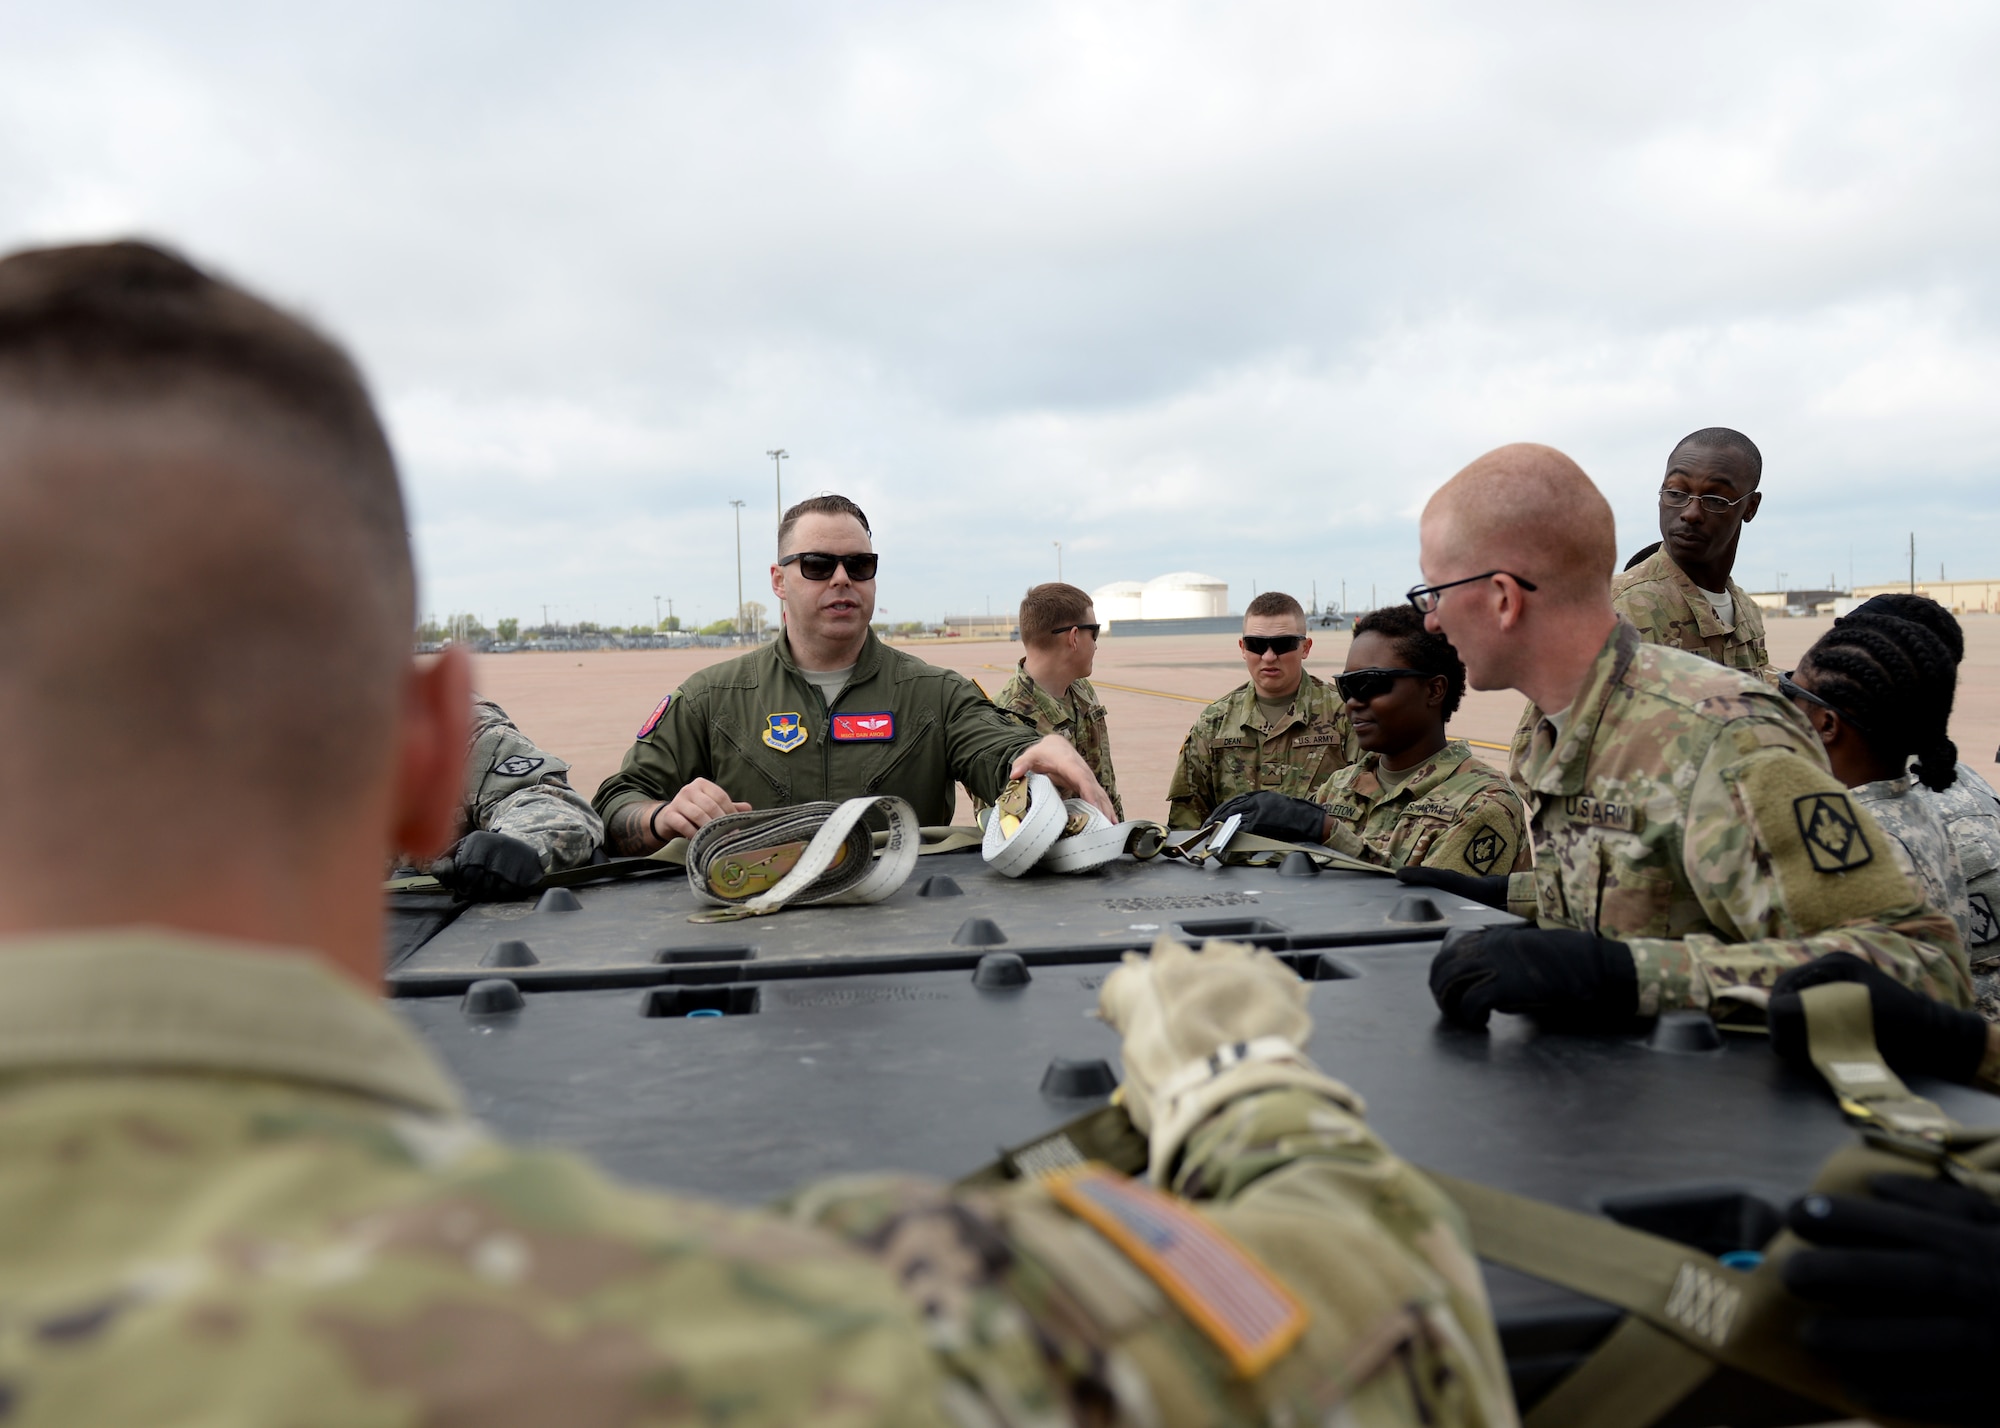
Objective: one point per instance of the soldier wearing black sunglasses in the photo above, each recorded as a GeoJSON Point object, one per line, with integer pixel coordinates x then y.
{"type": "Point", "coordinates": [1682, 594]}
{"type": "Point", "coordinates": [1283, 732]}
{"type": "Point", "coordinates": [823, 711]}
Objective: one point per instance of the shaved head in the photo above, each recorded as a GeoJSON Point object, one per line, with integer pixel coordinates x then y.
{"type": "Point", "coordinates": [205, 584]}
{"type": "Point", "coordinates": [1528, 510]}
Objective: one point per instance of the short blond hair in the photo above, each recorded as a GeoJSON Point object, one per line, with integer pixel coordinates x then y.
{"type": "Point", "coordinates": [1531, 511]}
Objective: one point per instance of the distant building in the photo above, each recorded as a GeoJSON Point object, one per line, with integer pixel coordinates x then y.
{"type": "Point", "coordinates": [1961, 597]}
{"type": "Point", "coordinates": [1798, 602]}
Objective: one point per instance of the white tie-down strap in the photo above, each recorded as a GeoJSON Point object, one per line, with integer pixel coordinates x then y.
{"type": "Point", "coordinates": [891, 867]}
{"type": "Point", "coordinates": [1011, 855]}
{"type": "Point", "coordinates": [1098, 843]}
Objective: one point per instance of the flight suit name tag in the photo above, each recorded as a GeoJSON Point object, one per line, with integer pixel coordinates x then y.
{"type": "Point", "coordinates": [876, 728]}
{"type": "Point", "coordinates": [1602, 813]}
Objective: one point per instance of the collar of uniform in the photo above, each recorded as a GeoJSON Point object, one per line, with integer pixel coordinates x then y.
{"type": "Point", "coordinates": [864, 662]}
{"type": "Point", "coordinates": [151, 999]}
{"type": "Point", "coordinates": [1559, 765]}
{"type": "Point", "coordinates": [1882, 789]}
{"type": "Point", "coordinates": [1696, 600]}
{"type": "Point", "coordinates": [1248, 715]}
{"type": "Point", "coordinates": [1428, 775]}
{"type": "Point", "coordinates": [1050, 708]}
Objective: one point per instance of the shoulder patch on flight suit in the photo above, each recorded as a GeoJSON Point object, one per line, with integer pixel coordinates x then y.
{"type": "Point", "coordinates": [653, 719]}
{"type": "Point", "coordinates": [1234, 1300]}
{"type": "Point", "coordinates": [517, 766]}
{"type": "Point", "coordinates": [1833, 838]}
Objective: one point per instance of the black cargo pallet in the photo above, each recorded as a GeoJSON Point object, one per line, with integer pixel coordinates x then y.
{"type": "Point", "coordinates": [738, 1060]}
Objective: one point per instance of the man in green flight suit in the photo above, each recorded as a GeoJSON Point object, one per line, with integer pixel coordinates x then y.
{"type": "Point", "coordinates": [237, 1189]}
{"type": "Point", "coordinates": [825, 711]}
{"type": "Point", "coordinates": [1051, 686]}
{"type": "Point", "coordinates": [1683, 594]}
{"type": "Point", "coordinates": [1689, 838]}
{"type": "Point", "coordinates": [1285, 731]}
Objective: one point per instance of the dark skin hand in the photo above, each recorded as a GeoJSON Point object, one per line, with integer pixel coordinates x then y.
{"type": "Point", "coordinates": [1700, 542]}
{"type": "Point", "coordinates": [1405, 725]}
{"type": "Point", "coordinates": [1853, 761]}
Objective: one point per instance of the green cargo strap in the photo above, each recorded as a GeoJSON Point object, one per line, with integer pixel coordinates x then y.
{"type": "Point", "coordinates": [1840, 1038]}
{"type": "Point", "coordinates": [1744, 1321]}
{"type": "Point", "coordinates": [1253, 850]}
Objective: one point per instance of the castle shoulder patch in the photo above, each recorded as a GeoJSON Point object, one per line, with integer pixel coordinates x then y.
{"type": "Point", "coordinates": [1831, 833]}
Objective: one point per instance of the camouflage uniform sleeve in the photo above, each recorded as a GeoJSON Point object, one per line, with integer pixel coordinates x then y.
{"type": "Point", "coordinates": [515, 788]}
{"type": "Point", "coordinates": [669, 752]}
{"type": "Point", "coordinates": [982, 740]}
{"type": "Point", "coordinates": [1039, 1318]}
{"type": "Point", "coordinates": [1490, 836]}
{"type": "Point", "coordinates": [1781, 857]}
{"type": "Point", "coordinates": [1191, 794]}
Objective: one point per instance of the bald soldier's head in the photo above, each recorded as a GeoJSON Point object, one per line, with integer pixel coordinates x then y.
{"type": "Point", "coordinates": [1539, 537]}
{"type": "Point", "coordinates": [205, 601]}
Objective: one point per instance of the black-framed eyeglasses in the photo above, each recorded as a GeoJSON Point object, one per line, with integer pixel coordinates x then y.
{"type": "Point", "coordinates": [1798, 691]}
{"type": "Point", "coordinates": [819, 564]}
{"type": "Point", "coordinates": [1674, 500]}
{"type": "Point", "coordinates": [1425, 597]}
{"type": "Point", "coordinates": [1276, 644]}
{"type": "Point", "coordinates": [1358, 686]}
{"type": "Point", "coordinates": [1090, 630]}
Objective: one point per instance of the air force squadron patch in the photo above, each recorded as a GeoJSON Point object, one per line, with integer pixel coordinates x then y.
{"type": "Point", "coordinates": [784, 732]}
{"type": "Point", "coordinates": [864, 728]}
{"type": "Point", "coordinates": [653, 719]}
{"type": "Point", "coordinates": [1832, 835]}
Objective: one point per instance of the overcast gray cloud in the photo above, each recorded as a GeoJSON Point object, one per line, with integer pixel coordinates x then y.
{"type": "Point", "coordinates": [1229, 287]}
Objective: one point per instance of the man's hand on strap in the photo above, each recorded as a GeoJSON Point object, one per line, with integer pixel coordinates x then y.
{"type": "Point", "coordinates": [699, 802]}
{"type": "Point", "coordinates": [1201, 1029]}
{"type": "Point", "coordinates": [1275, 815]}
{"type": "Point", "coordinates": [1906, 1296]}
{"type": "Point", "coordinates": [1057, 757]}
{"type": "Point", "coordinates": [1491, 891]}
{"type": "Point", "coordinates": [1916, 1036]}
{"type": "Point", "coordinates": [1559, 973]}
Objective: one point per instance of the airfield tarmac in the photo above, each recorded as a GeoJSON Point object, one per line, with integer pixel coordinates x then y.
{"type": "Point", "coordinates": [585, 705]}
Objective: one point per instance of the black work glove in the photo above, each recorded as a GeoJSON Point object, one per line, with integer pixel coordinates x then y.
{"type": "Point", "coordinates": [491, 867]}
{"type": "Point", "coordinates": [1491, 891]}
{"type": "Point", "coordinates": [1906, 1289]}
{"type": "Point", "coordinates": [1567, 975]}
{"type": "Point", "coordinates": [1916, 1036]}
{"type": "Point", "coordinates": [1275, 815]}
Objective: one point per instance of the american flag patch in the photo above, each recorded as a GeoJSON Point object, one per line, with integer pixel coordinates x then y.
{"type": "Point", "coordinates": [1231, 1298]}
{"type": "Point", "coordinates": [864, 728]}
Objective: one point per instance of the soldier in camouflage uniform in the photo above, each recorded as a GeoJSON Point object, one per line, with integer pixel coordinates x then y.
{"type": "Point", "coordinates": [1688, 836]}
{"type": "Point", "coordinates": [1050, 687]}
{"type": "Point", "coordinates": [240, 1190]}
{"type": "Point", "coordinates": [1971, 813]}
{"type": "Point", "coordinates": [515, 788]}
{"type": "Point", "coordinates": [1682, 595]}
{"type": "Point", "coordinates": [1283, 732]}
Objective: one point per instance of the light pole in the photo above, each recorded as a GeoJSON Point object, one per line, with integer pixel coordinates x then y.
{"type": "Point", "coordinates": [778, 459]}
{"type": "Point", "coordinates": [1058, 546]}
{"type": "Point", "coordinates": [656, 612]}
{"type": "Point", "coordinates": [739, 566]}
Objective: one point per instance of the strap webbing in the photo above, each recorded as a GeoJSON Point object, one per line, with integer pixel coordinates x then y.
{"type": "Point", "coordinates": [1633, 1380]}
{"type": "Point", "coordinates": [1840, 1038]}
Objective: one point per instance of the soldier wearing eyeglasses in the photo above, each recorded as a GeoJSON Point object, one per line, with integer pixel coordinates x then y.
{"type": "Point", "coordinates": [1284, 731]}
{"type": "Point", "coordinates": [1050, 688]}
{"type": "Point", "coordinates": [1682, 594]}
{"type": "Point", "coordinates": [825, 711]}
{"type": "Point", "coordinates": [1691, 844]}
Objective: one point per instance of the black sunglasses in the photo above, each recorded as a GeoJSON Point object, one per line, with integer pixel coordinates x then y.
{"type": "Point", "coordinates": [819, 565]}
{"type": "Point", "coordinates": [1090, 630]}
{"type": "Point", "coordinates": [1425, 597]}
{"type": "Point", "coordinates": [1795, 691]}
{"type": "Point", "coordinates": [1276, 644]}
{"type": "Point", "coordinates": [1362, 685]}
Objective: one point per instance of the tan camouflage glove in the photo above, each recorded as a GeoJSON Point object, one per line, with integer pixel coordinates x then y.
{"type": "Point", "coordinates": [1201, 1029]}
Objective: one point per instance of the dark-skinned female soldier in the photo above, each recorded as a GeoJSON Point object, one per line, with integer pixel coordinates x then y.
{"type": "Point", "coordinates": [1416, 797]}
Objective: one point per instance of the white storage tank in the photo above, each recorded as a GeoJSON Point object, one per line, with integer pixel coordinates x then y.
{"type": "Point", "coordinates": [1117, 601]}
{"type": "Point", "coordinates": [1184, 595]}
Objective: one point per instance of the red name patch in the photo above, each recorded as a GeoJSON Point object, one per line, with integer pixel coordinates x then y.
{"type": "Point", "coordinates": [863, 728]}
{"type": "Point", "coordinates": [652, 721]}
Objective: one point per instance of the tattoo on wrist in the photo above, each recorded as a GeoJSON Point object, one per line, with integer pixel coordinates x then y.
{"type": "Point", "coordinates": [630, 829]}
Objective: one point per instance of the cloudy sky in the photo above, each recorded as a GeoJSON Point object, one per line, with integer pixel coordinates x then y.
{"type": "Point", "coordinates": [1228, 287]}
